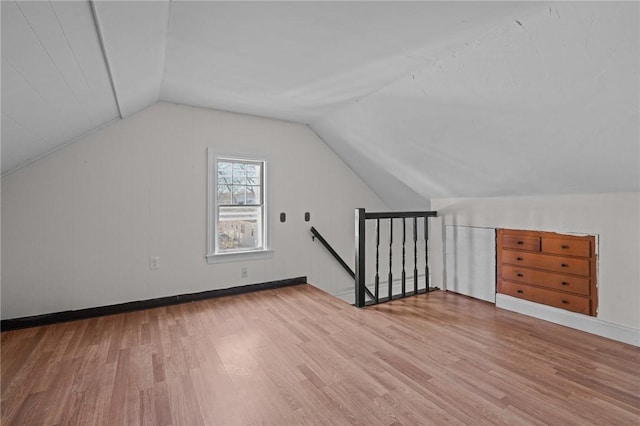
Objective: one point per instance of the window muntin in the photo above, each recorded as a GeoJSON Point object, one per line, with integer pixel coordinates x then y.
{"type": "Point", "coordinates": [239, 206]}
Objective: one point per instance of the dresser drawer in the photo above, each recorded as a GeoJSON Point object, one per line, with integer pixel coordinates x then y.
{"type": "Point", "coordinates": [518, 242]}
{"type": "Point", "coordinates": [547, 262]}
{"type": "Point", "coordinates": [554, 269]}
{"type": "Point", "coordinates": [556, 299]}
{"type": "Point", "coordinates": [547, 279]}
{"type": "Point", "coordinates": [569, 247]}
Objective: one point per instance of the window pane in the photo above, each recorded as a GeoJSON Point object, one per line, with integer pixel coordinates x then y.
{"type": "Point", "coordinates": [253, 174]}
{"type": "Point", "coordinates": [224, 194]}
{"type": "Point", "coordinates": [239, 194]}
{"type": "Point", "coordinates": [239, 179]}
{"type": "Point", "coordinates": [239, 170]}
{"type": "Point", "coordinates": [239, 228]}
{"type": "Point", "coordinates": [240, 209]}
{"type": "Point", "coordinates": [253, 195]}
{"type": "Point", "coordinates": [224, 179]}
{"type": "Point", "coordinates": [224, 171]}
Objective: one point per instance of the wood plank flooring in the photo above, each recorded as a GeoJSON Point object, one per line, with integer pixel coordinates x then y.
{"type": "Point", "coordinates": [299, 356]}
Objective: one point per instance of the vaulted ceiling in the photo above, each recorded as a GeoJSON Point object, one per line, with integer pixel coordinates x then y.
{"type": "Point", "coordinates": [421, 99]}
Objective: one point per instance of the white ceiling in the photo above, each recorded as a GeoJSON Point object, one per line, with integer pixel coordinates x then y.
{"type": "Point", "coordinates": [300, 61]}
{"type": "Point", "coordinates": [55, 85]}
{"type": "Point", "coordinates": [134, 35]}
{"type": "Point", "coordinates": [547, 106]}
{"type": "Point", "coordinates": [421, 99]}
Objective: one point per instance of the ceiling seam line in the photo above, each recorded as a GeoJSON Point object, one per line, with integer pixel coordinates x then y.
{"type": "Point", "coordinates": [73, 53]}
{"type": "Point", "coordinates": [166, 46]}
{"type": "Point", "coordinates": [26, 129]}
{"type": "Point", "coordinates": [60, 128]}
{"type": "Point", "coordinates": [58, 148]}
{"type": "Point", "coordinates": [96, 21]}
{"type": "Point", "coordinates": [55, 65]}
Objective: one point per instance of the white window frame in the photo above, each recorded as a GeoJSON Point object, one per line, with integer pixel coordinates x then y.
{"type": "Point", "coordinates": [212, 255]}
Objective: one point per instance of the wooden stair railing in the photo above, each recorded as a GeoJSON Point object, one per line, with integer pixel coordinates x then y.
{"type": "Point", "coordinates": [361, 217]}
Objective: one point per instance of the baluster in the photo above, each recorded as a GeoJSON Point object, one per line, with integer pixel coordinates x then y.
{"type": "Point", "coordinates": [390, 258]}
{"type": "Point", "coordinates": [415, 255]}
{"type": "Point", "coordinates": [426, 254]}
{"type": "Point", "coordinates": [377, 283]}
{"type": "Point", "coordinates": [404, 239]}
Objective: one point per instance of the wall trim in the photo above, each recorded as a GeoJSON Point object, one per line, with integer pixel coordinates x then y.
{"type": "Point", "coordinates": [345, 294]}
{"type": "Point", "coordinates": [585, 323]}
{"type": "Point", "coordinates": [65, 316]}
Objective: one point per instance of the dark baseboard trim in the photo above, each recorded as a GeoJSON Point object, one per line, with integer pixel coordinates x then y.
{"type": "Point", "coordinates": [57, 317]}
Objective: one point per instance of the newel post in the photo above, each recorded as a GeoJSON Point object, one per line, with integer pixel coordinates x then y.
{"type": "Point", "coordinates": [360, 257]}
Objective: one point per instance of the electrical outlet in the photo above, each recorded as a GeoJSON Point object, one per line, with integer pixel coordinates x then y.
{"type": "Point", "coordinates": [244, 272]}
{"type": "Point", "coordinates": [154, 263]}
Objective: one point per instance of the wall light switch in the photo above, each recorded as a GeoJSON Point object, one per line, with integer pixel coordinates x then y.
{"type": "Point", "coordinates": [154, 263]}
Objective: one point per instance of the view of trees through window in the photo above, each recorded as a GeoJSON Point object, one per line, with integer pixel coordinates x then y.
{"type": "Point", "coordinates": [239, 195]}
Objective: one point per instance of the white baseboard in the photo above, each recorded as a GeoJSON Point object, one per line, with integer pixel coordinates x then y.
{"type": "Point", "coordinates": [569, 319]}
{"type": "Point", "coordinates": [580, 322]}
{"type": "Point", "coordinates": [348, 293]}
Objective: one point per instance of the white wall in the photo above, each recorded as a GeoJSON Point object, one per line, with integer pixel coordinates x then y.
{"type": "Point", "coordinates": [79, 225]}
{"type": "Point", "coordinates": [470, 261]}
{"type": "Point", "coordinates": [614, 217]}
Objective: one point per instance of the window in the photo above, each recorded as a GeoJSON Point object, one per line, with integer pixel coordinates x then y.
{"type": "Point", "coordinates": [237, 207]}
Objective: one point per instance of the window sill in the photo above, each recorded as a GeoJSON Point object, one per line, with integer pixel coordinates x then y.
{"type": "Point", "coordinates": [239, 256]}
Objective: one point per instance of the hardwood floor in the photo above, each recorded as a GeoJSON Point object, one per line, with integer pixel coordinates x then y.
{"type": "Point", "coordinates": [299, 356]}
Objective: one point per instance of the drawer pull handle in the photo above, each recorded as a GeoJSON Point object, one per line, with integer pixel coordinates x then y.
{"type": "Point", "coordinates": [564, 246]}
{"type": "Point", "coordinates": [564, 265]}
{"type": "Point", "coordinates": [519, 275]}
{"type": "Point", "coordinates": [518, 258]}
{"type": "Point", "coordinates": [519, 291]}
{"type": "Point", "coordinates": [565, 302]}
{"type": "Point", "coordinates": [564, 283]}
{"type": "Point", "coordinates": [520, 243]}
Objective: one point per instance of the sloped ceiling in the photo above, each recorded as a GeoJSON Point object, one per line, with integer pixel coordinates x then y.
{"type": "Point", "coordinates": [547, 104]}
{"type": "Point", "coordinates": [55, 85]}
{"type": "Point", "coordinates": [421, 99]}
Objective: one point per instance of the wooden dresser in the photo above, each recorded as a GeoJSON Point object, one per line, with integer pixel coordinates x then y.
{"type": "Point", "coordinates": [545, 267]}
